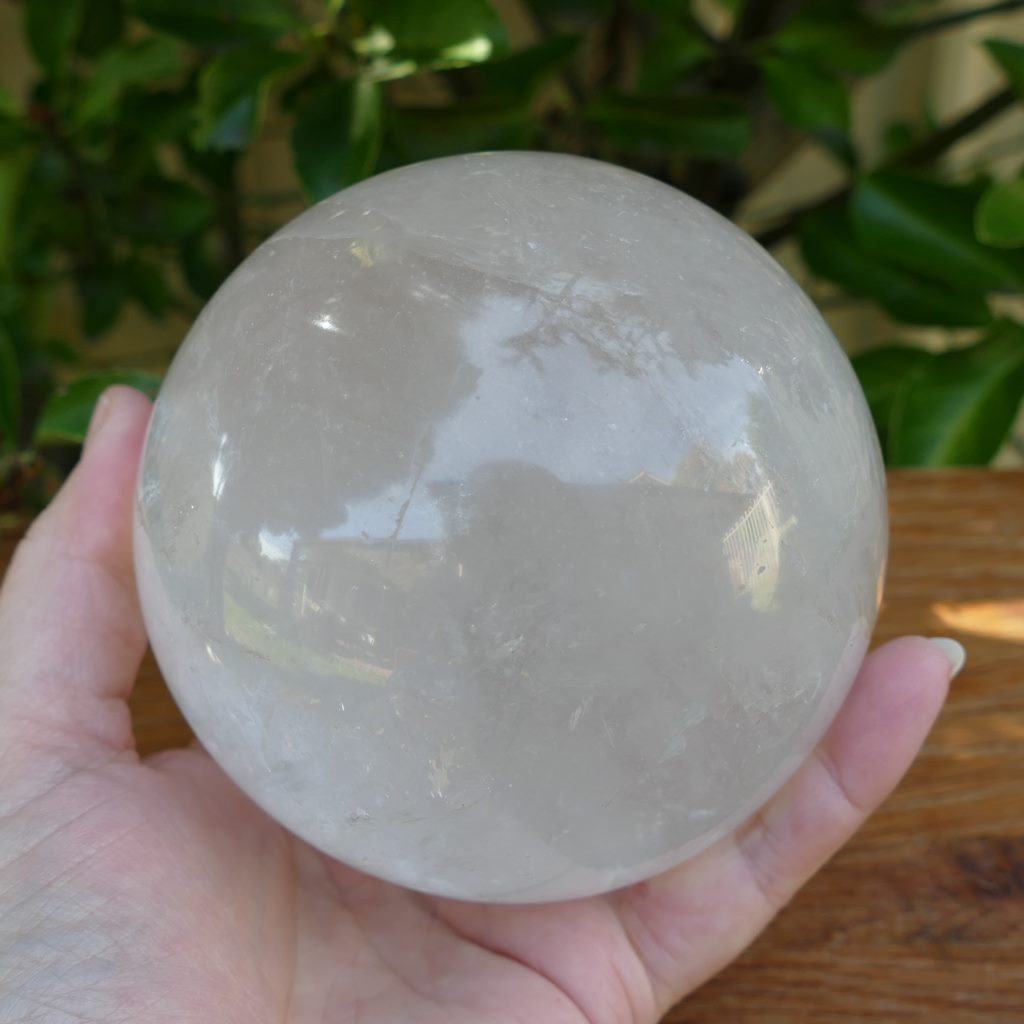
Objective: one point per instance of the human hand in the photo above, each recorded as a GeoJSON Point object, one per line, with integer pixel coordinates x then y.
{"type": "Point", "coordinates": [154, 890]}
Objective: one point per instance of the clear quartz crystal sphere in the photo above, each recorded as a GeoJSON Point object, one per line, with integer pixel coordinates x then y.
{"type": "Point", "coordinates": [510, 526]}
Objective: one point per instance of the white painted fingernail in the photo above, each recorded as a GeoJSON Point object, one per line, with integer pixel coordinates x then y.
{"type": "Point", "coordinates": [954, 652]}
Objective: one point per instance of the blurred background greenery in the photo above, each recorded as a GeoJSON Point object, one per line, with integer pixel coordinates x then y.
{"type": "Point", "coordinates": [146, 146]}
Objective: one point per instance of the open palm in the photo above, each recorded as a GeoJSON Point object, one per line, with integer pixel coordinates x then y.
{"type": "Point", "coordinates": [154, 890]}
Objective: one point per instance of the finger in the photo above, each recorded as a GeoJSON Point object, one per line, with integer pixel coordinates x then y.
{"type": "Point", "coordinates": [688, 923]}
{"type": "Point", "coordinates": [71, 634]}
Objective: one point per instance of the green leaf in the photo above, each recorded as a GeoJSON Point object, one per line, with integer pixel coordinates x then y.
{"type": "Point", "coordinates": [832, 251]}
{"type": "Point", "coordinates": [102, 24]}
{"type": "Point", "coordinates": [999, 217]}
{"type": "Point", "coordinates": [928, 227]}
{"type": "Point", "coordinates": [518, 75]}
{"type": "Point", "coordinates": [101, 294]}
{"type": "Point", "coordinates": [847, 38]}
{"type": "Point", "coordinates": [148, 286]}
{"type": "Point", "coordinates": [65, 418]}
{"type": "Point", "coordinates": [218, 167]}
{"type": "Point", "coordinates": [805, 95]}
{"type": "Point", "coordinates": [709, 126]}
{"type": "Point", "coordinates": [61, 351]}
{"type": "Point", "coordinates": [337, 135]}
{"type": "Point", "coordinates": [162, 211]}
{"type": "Point", "coordinates": [15, 127]}
{"type": "Point", "coordinates": [9, 106]}
{"type": "Point", "coordinates": [150, 118]}
{"type": "Point", "coordinates": [50, 28]}
{"type": "Point", "coordinates": [676, 51]}
{"type": "Point", "coordinates": [883, 373]}
{"type": "Point", "coordinates": [139, 63]}
{"type": "Point", "coordinates": [422, 133]}
{"type": "Point", "coordinates": [1010, 58]}
{"type": "Point", "coordinates": [899, 136]}
{"type": "Point", "coordinates": [15, 131]}
{"type": "Point", "coordinates": [204, 272]}
{"type": "Point", "coordinates": [232, 90]}
{"type": "Point", "coordinates": [958, 409]}
{"type": "Point", "coordinates": [665, 8]}
{"type": "Point", "coordinates": [580, 13]}
{"type": "Point", "coordinates": [10, 394]}
{"type": "Point", "coordinates": [14, 165]}
{"type": "Point", "coordinates": [437, 33]}
{"type": "Point", "coordinates": [216, 23]}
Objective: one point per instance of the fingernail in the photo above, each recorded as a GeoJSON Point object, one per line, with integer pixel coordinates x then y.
{"type": "Point", "coordinates": [954, 652]}
{"type": "Point", "coordinates": [100, 415]}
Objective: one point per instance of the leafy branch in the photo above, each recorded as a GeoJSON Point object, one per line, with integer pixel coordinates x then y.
{"type": "Point", "coordinates": [127, 146]}
{"type": "Point", "coordinates": [927, 149]}
{"type": "Point", "coordinates": [957, 18]}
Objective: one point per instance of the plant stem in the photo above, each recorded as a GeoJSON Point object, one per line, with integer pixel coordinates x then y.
{"type": "Point", "coordinates": [962, 17]}
{"type": "Point", "coordinates": [919, 152]}
{"type": "Point", "coordinates": [281, 198]}
{"type": "Point", "coordinates": [937, 144]}
{"type": "Point", "coordinates": [230, 220]}
{"type": "Point", "coordinates": [614, 45]}
{"type": "Point", "coordinates": [184, 307]}
{"type": "Point", "coordinates": [544, 28]}
{"type": "Point", "coordinates": [760, 17]}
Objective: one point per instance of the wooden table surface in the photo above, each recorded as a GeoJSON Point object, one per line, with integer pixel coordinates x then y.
{"type": "Point", "coordinates": [921, 917]}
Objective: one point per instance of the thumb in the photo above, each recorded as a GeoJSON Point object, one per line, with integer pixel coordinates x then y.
{"type": "Point", "coordinates": [71, 633]}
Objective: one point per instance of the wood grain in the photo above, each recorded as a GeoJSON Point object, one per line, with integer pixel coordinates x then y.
{"type": "Point", "coordinates": [921, 917]}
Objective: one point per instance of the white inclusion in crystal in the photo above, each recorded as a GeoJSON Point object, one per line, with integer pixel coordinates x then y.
{"type": "Point", "coordinates": [325, 323]}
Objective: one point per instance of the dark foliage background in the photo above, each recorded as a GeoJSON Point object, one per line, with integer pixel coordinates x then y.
{"type": "Point", "coordinates": [119, 169]}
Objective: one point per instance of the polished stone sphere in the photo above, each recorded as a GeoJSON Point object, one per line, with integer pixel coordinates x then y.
{"type": "Point", "coordinates": [510, 526]}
